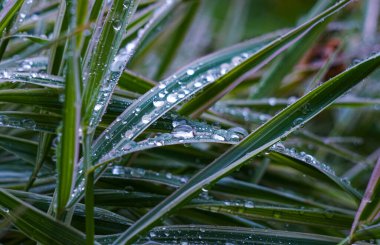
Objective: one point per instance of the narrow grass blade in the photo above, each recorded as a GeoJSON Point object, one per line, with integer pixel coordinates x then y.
{"type": "Point", "coordinates": [29, 121]}
{"type": "Point", "coordinates": [281, 125]}
{"type": "Point", "coordinates": [311, 166]}
{"type": "Point", "coordinates": [106, 64]}
{"type": "Point", "coordinates": [36, 224]}
{"type": "Point", "coordinates": [177, 39]}
{"type": "Point", "coordinates": [365, 233]}
{"type": "Point", "coordinates": [278, 71]}
{"type": "Point", "coordinates": [41, 79]}
{"type": "Point", "coordinates": [42, 202]}
{"type": "Point", "coordinates": [8, 12]}
{"type": "Point", "coordinates": [370, 204]}
{"type": "Point", "coordinates": [68, 147]}
{"type": "Point", "coordinates": [135, 83]}
{"type": "Point", "coordinates": [210, 235]}
{"type": "Point", "coordinates": [44, 143]}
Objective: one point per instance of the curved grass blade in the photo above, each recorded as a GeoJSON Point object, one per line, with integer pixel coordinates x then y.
{"type": "Point", "coordinates": [36, 224]}
{"type": "Point", "coordinates": [42, 202]}
{"type": "Point", "coordinates": [295, 215]}
{"type": "Point", "coordinates": [309, 165]}
{"type": "Point", "coordinates": [40, 79]}
{"type": "Point", "coordinates": [243, 208]}
{"type": "Point", "coordinates": [235, 235]}
{"type": "Point", "coordinates": [258, 59]}
{"type": "Point", "coordinates": [138, 177]}
{"type": "Point", "coordinates": [281, 125]}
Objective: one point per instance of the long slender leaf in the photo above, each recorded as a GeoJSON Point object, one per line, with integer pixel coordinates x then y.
{"type": "Point", "coordinates": [279, 126]}
{"type": "Point", "coordinates": [35, 224]}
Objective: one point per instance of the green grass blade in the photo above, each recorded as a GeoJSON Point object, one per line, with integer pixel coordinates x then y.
{"type": "Point", "coordinates": [135, 83]}
{"type": "Point", "coordinates": [365, 233]}
{"type": "Point", "coordinates": [278, 71]}
{"type": "Point", "coordinates": [45, 140]}
{"type": "Point", "coordinates": [41, 79]}
{"type": "Point", "coordinates": [279, 126]}
{"type": "Point", "coordinates": [35, 224]}
{"type": "Point", "coordinates": [177, 39]}
{"type": "Point", "coordinates": [8, 12]}
{"type": "Point", "coordinates": [311, 166]}
{"type": "Point", "coordinates": [42, 202]}
{"type": "Point", "coordinates": [29, 121]}
{"type": "Point", "coordinates": [68, 147]}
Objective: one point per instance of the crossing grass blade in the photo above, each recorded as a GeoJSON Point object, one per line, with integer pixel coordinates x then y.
{"type": "Point", "coordinates": [281, 125]}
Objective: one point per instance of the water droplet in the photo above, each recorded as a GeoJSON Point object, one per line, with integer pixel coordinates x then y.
{"type": "Point", "coordinates": [272, 101]}
{"type": "Point", "coordinates": [98, 107]}
{"type": "Point", "coordinates": [236, 60]}
{"type": "Point", "coordinates": [197, 84]}
{"type": "Point", "coordinates": [118, 170]}
{"type": "Point", "coordinates": [172, 98]}
{"type": "Point", "coordinates": [218, 137]}
{"type": "Point", "coordinates": [248, 204]}
{"type": "Point", "coordinates": [28, 123]}
{"type": "Point", "coordinates": [158, 103]}
{"type": "Point", "coordinates": [224, 68]}
{"type": "Point", "coordinates": [183, 131]}
{"type": "Point", "coordinates": [190, 72]}
{"type": "Point", "coordinates": [297, 121]}
{"type": "Point", "coordinates": [145, 119]}
{"type": "Point", "coordinates": [116, 25]}
{"type": "Point", "coordinates": [128, 134]}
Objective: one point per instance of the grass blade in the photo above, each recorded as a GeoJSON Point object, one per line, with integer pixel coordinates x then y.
{"type": "Point", "coordinates": [35, 224]}
{"type": "Point", "coordinates": [370, 204]}
{"type": "Point", "coordinates": [8, 12]}
{"type": "Point", "coordinates": [68, 147]}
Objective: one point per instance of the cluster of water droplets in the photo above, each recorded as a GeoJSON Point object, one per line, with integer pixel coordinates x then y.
{"type": "Point", "coordinates": [34, 64]}
{"type": "Point", "coordinates": [41, 79]}
{"type": "Point", "coordinates": [167, 94]}
{"type": "Point", "coordinates": [302, 156]}
{"type": "Point", "coordinates": [183, 131]}
{"type": "Point", "coordinates": [15, 122]}
{"type": "Point", "coordinates": [140, 173]}
{"type": "Point", "coordinates": [244, 114]}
